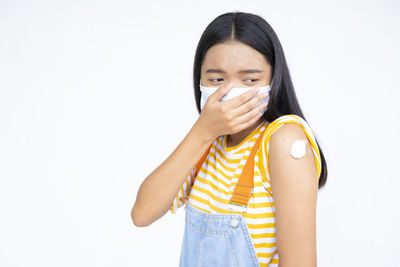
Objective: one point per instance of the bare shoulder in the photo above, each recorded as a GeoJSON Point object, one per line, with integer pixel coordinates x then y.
{"type": "Point", "coordinates": [291, 154]}
{"type": "Point", "coordinates": [282, 139]}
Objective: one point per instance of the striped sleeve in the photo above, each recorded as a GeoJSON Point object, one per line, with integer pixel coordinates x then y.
{"type": "Point", "coordinates": [183, 194]}
{"type": "Point", "coordinates": [275, 125]}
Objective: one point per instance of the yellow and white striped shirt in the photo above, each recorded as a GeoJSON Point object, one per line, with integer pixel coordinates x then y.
{"type": "Point", "coordinates": [213, 187]}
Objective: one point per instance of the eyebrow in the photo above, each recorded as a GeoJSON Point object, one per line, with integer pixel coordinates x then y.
{"type": "Point", "coordinates": [240, 71]}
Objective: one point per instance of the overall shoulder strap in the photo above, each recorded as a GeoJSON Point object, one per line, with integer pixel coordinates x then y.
{"type": "Point", "coordinates": [242, 191]}
{"type": "Point", "coordinates": [201, 160]}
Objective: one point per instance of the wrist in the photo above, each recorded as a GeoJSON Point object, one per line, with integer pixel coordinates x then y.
{"type": "Point", "coordinates": [201, 133]}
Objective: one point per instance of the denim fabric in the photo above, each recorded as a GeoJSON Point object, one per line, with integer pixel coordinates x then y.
{"type": "Point", "coordinates": [209, 240]}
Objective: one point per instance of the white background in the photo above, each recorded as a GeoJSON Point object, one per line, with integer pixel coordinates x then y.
{"type": "Point", "coordinates": [94, 95]}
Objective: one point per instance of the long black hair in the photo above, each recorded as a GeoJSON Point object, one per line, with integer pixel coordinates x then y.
{"type": "Point", "coordinates": [254, 31]}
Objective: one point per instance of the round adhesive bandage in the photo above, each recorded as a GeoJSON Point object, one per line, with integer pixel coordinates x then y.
{"type": "Point", "coordinates": [298, 149]}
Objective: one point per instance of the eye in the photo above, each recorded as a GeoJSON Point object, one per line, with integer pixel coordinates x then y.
{"type": "Point", "coordinates": [215, 79]}
{"type": "Point", "coordinates": [252, 80]}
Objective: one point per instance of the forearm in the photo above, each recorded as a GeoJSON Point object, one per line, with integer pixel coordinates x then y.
{"type": "Point", "coordinates": [159, 189]}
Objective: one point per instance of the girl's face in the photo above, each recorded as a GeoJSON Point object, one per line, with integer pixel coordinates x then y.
{"type": "Point", "coordinates": [235, 62]}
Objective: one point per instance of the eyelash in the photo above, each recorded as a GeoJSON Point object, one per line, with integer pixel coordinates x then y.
{"type": "Point", "coordinates": [253, 80]}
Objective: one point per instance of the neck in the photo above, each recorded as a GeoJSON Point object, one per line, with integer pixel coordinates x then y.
{"type": "Point", "coordinates": [235, 139]}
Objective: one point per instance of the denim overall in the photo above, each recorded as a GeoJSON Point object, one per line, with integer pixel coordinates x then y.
{"type": "Point", "coordinates": [221, 240]}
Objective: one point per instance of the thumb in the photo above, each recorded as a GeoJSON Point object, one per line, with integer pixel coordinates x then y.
{"type": "Point", "coordinates": [223, 90]}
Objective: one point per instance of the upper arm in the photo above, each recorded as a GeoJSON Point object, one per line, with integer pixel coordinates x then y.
{"type": "Point", "coordinates": [294, 183]}
{"type": "Point", "coordinates": [183, 194]}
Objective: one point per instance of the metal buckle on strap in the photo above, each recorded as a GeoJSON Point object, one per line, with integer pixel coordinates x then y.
{"type": "Point", "coordinates": [239, 205]}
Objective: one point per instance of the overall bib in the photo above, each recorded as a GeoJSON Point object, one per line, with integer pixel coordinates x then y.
{"type": "Point", "coordinates": [221, 240]}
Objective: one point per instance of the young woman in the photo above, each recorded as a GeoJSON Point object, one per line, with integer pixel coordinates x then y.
{"type": "Point", "coordinates": [248, 172]}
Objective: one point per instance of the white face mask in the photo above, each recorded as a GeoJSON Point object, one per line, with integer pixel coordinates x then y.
{"type": "Point", "coordinates": [234, 92]}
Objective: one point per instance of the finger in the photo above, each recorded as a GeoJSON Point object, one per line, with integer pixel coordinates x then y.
{"type": "Point", "coordinates": [241, 99]}
{"type": "Point", "coordinates": [251, 117]}
{"type": "Point", "coordinates": [249, 105]}
{"type": "Point", "coordinates": [222, 90]}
